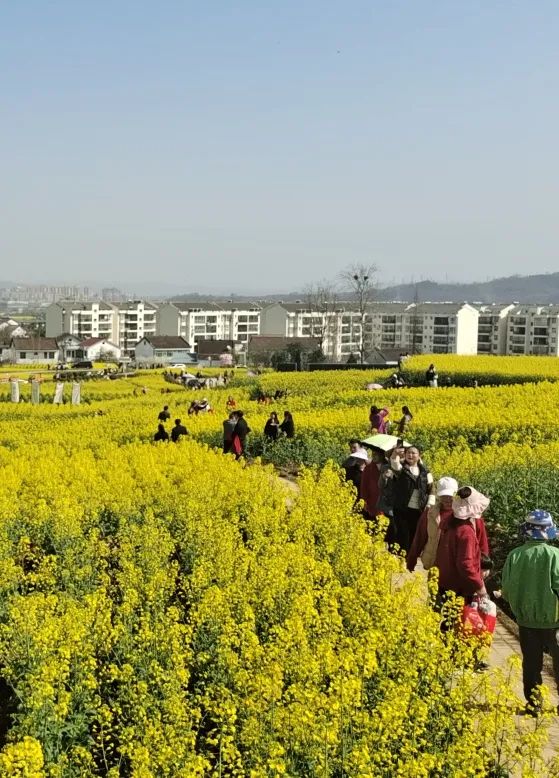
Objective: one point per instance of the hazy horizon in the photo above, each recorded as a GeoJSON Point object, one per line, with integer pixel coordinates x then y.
{"type": "Point", "coordinates": [241, 149]}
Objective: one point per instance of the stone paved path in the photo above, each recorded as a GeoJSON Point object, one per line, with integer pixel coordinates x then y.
{"type": "Point", "coordinates": [506, 643]}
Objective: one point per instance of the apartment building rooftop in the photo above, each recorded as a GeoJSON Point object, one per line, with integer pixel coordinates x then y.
{"type": "Point", "coordinates": [535, 310]}
{"type": "Point", "coordinates": [133, 304]}
{"type": "Point", "coordinates": [441, 308]}
{"type": "Point", "coordinates": [197, 305]}
{"type": "Point", "coordinates": [78, 305]}
{"type": "Point", "coordinates": [213, 305]}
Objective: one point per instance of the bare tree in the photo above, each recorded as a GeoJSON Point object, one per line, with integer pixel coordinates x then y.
{"type": "Point", "coordinates": [359, 280]}
{"type": "Point", "coordinates": [322, 301]}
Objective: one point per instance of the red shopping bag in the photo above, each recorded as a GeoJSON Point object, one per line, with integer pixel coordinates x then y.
{"type": "Point", "coordinates": [479, 618]}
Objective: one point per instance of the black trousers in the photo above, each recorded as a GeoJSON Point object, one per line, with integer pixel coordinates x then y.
{"type": "Point", "coordinates": [532, 643]}
{"type": "Point", "coordinates": [405, 525]}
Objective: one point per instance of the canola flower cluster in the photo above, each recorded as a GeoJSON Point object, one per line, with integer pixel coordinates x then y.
{"type": "Point", "coordinates": [166, 611]}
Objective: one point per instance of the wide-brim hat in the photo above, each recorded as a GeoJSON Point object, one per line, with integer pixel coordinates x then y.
{"type": "Point", "coordinates": [471, 507]}
{"type": "Point", "coordinates": [539, 525]}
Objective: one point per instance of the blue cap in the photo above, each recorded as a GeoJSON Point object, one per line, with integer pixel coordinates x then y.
{"type": "Point", "coordinates": [538, 525]}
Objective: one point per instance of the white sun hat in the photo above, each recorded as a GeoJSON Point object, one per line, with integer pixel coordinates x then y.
{"type": "Point", "coordinates": [447, 486]}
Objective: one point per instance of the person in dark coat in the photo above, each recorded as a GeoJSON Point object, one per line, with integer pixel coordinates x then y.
{"type": "Point", "coordinates": [431, 376]}
{"type": "Point", "coordinates": [228, 430]}
{"type": "Point", "coordinates": [164, 415]}
{"type": "Point", "coordinates": [271, 428]}
{"type": "Point", "coordinates": [178, 431]}
{"type": "Point", "coordinates": [413, 491]}
{"type": "Point", "coordinates": [287, 426]}
{"type": "Point", "coordinates": [161, 433]}
{"type": "Point", "coordinates": [240, 435]}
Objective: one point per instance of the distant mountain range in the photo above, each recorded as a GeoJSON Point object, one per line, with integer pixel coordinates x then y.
{"type": "Point", "coordinates": [542, 288]}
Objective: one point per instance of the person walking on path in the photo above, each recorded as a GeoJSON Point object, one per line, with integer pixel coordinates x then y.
{"type": "Point", "coordinates": [459, 556]}
{"type": "Point", "coordinates": [413, 491]}
{"type": "Point", "coordinates": [178, 431]}
{"type": "Point", "coordinates": [355, 464]}
{"type": "Point", "coordinates": [530, 583]}
{"type": "Point", "coordinates": [370, 490]}
{"type": "Point", "coordinates": [426, 539]}
{"type": "Point", "coordinates": [377, 419]}
{"type": "Point", "coordinates": [469, 503]}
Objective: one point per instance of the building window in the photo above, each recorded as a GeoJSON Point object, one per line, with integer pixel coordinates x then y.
{"type": "Point", "coordinates": [22, 354]}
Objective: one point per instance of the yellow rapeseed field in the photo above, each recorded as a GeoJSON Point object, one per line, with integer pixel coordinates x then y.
{"type": "Point", "coordinates": [167, 611]}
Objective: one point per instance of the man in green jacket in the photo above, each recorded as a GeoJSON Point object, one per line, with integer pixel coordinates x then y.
{"type": "Point", "coordinates": [530, 583]}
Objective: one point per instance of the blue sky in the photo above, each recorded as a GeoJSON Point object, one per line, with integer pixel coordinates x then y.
{"type": "Point", "coordinates": [242, 146]}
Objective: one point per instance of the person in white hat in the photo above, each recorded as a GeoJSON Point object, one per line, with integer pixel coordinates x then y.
{"type": "Point", "coordinates": [355, 463]}
{"type": "Point", "coordinates": [433, 518]}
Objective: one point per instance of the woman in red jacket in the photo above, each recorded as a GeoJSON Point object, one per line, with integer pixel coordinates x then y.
{"type": "Point", "coordinates": [463, 541]}
{"type": "Point", "coordinates": [434, 519]}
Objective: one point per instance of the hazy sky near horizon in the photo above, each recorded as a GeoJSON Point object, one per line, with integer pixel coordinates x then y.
{"type": "Point", "coordinates": [232, 146]}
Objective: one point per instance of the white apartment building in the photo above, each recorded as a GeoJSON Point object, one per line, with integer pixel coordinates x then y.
{"type": "Point", "coordinates": [200, 320]}
{"type": "Point", "coordinates": [492, 328]}
{"type": "Point", "coordinates": [533, 329]}
{"type": "Point", "coordinates": [437, 328]}
{"type": "Point", "coordinates": [95, 319]}
{"type": "Point", "coordinates": [123, 324]}
{"type": "Point", "coordinates": [136, 320]}
{"type": "Point", "coordinates": [446, 328]}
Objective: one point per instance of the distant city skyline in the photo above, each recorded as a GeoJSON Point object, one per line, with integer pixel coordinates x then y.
{"type": "Point", "coordinates": [247, 147]}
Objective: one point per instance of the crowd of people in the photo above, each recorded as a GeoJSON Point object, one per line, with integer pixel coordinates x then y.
{"type": "Point", "coordinates": [177, 431]}
{"type": "Point", "coordinates": [235, 426]}
{"type": "Point", "coordinates": [442, 524]}
{"type": "Point", "coordinates": [437, 522]}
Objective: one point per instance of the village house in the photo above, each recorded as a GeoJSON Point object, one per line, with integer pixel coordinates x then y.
{"type": "Point", "coordinates": [34, 351]}
{"type": "Point", "coordinates": [162, 350]}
